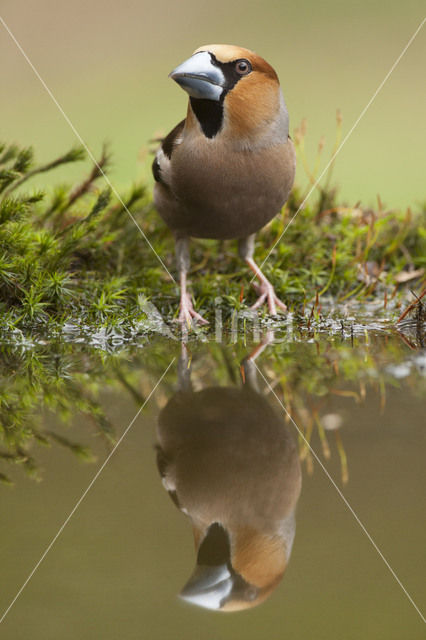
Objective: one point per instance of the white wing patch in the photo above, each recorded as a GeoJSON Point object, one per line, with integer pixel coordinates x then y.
{"type": "Point", "coordinates": [164, 163]}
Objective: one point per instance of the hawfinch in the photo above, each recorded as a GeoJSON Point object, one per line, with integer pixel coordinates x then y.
{"type": "Point", "coordinates": [228, 168]}
{"type": "Point", "coordinates": [231, 465]}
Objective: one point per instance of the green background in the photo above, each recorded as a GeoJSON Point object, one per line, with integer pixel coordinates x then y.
{"type": "Point", "coordinates": [107, 64]}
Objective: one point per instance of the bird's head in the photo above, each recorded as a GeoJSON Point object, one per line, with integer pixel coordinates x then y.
{"type": "Point", "coordinates": [235, 570]}
{"type": "Point", "coordinates": [233, 89]}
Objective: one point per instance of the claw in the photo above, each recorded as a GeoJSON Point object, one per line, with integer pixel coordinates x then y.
{"type": "Point", "coordinates": [267, 294]}
{"type": "Point", "coordinates": [187, 311]}
{"type": "Point", "coordinates": [266, 291]}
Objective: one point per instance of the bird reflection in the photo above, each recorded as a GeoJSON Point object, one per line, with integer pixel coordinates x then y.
{"type": "Point", "coordinates": [230, 463]}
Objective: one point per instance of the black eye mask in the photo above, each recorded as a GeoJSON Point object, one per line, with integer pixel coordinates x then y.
{"type": "Point", "coordinates": [209, 113]}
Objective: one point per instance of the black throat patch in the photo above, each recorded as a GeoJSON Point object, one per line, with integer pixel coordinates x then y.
{"type": "Point", "coordinates": [209, 114]}
{"type": "Point", "coordinates": [215, 549]}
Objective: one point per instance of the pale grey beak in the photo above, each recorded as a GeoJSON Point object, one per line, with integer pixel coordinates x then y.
{"type": "Point", "coordinates": [208, 586]}
{"type": "Point", "coordinates": [200, 77]}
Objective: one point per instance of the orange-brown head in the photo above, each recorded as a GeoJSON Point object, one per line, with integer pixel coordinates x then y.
{"type": "Point", "coordinates": [235, 570]}
{"type": "Point", "coordinates": [233, 92]}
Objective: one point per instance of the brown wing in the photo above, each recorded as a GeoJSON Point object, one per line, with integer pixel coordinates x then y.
{"type": "Point", "coordinates": [164, 153]}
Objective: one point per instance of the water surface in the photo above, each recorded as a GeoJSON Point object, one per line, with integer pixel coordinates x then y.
{"type": "Point", "coordinates": [237, 431]}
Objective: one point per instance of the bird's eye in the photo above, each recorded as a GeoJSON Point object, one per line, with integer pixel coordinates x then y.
{"type": "Point", "coordinates": [243, 67]}
{"type": "Point", "coordinates": [251, 593]}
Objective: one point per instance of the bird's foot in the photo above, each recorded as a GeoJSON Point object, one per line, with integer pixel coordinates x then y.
{"type": "Point", "coordinates": [187, 312]}
{"type": "Point", "coordinates": [266, 293]}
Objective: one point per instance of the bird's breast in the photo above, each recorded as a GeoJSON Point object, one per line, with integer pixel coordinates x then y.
{"type": "Point", "coordinates": [219, 192]}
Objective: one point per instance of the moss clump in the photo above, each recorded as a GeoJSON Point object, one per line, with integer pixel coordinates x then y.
{"type": "Point", "coordinates": [77, 256]}
{"type": "Point", "coordinates": [74, 255]}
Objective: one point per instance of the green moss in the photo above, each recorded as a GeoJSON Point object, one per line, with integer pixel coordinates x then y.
{"type": "Point", "coordinates": [75, 255]}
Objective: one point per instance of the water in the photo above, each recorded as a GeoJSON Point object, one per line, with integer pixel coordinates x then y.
{"type": "Point", "coordinates": [260, 435]}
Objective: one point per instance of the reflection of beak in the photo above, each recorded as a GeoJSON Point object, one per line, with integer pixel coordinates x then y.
{"type": "Point", "coordinates": [208, 586]}
{"type": "Point", "coordinates": [200, 77]}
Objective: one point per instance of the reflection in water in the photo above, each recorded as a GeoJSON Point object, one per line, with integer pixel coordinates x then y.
{"type": "Point", "coordinates": [369, 390]}
{"type": "Point", "coordinates": [45, 384]}
{"type": "Point", "coordinates": [48, 383]}
{"type": "Point", "coordinates": [215, 434]}
{"type": "Point", "coordinates": [230, 463]}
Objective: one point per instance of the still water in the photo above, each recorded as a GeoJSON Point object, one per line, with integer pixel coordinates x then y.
{"type": "Point", "coordinates": [236, 503]}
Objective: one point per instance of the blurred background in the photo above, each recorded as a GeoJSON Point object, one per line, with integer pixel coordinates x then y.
{"type": "Point", "coordinates": [107, 64]}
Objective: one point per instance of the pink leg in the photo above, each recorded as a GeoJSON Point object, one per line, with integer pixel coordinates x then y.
{"type": "Point", "coordinates": [265, 290]}
{"type": "Point", "coordinates": [187, 311]}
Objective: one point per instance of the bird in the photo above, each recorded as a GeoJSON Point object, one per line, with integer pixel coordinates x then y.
{"type": "Point", "coordinates": [230, 463]}
{"type": "Point", "coordinates": [228, 168]}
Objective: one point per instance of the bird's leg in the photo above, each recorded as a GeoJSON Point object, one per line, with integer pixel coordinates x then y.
{"type": "Point", "coordinates": [264, 288]}
{"type": "Point", "coordinates": [186, 309]}
{"type": "Point", "coordinates": [248, 367]}
{"type": "Point", "coordinates": [184, 369]}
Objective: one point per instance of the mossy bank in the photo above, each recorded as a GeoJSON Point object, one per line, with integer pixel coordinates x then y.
{"type": "Point", "coordinates": [79, 255]}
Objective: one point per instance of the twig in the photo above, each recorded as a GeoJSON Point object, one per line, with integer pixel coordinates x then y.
{"type": "Point", "coordinates": [411, 306]}
{"type": "Point", "coordinates": [72, 156]}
